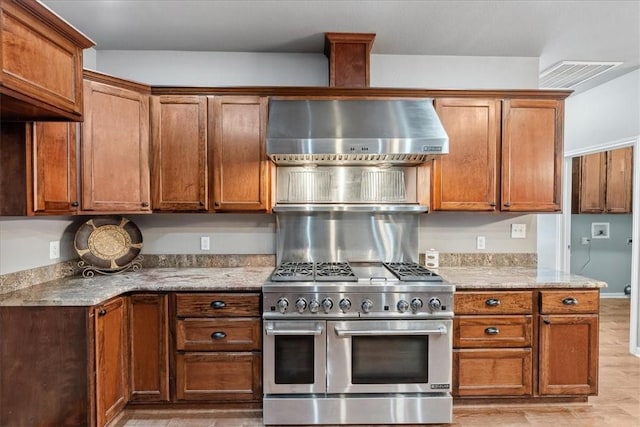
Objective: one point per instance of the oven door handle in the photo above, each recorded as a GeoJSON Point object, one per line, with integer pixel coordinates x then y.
{"type": "Point", "coordinates": [316, 331]}
{"type": "Point", "coordinates": [439, 330]}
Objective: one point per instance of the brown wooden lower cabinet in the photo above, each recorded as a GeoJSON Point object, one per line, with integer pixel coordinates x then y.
{"type": "Point", "coordinates": [149, 347]}
{"type": "Point", "coordinates": [493, 372]}
{"type": "Point", "coordinates": [569, 355]}
{"type": "Point", "coordinates": [218, 376]}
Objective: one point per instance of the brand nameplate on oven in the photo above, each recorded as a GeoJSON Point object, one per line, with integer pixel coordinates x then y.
{"type": "Point", "coordinates": [440, 386]}
{"type": "Point", "coordinates": [431, 149]}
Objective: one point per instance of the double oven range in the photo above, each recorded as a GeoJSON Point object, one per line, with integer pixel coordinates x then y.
{"type": "Point", "coordinates": [363, 342]}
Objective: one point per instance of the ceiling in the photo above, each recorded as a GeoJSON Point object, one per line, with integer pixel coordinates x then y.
{"type": "Point", "coordinates": [554, 31]}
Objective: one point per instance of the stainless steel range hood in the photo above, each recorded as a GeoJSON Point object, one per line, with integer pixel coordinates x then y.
{"type": "Point", "coordinates": [354, 132]}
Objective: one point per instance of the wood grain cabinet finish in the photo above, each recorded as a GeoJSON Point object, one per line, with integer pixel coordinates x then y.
{"type": "Point", "coordinates": [46, 366]}
{"type": "Point", "coordinates": [492, 339]}
{"type": "Point", "coordinates": [532, 144]}
{"type": "Point", "coordinates": [349, 58]}
{"type": "Point", "coordinates": [179, 153]}
{"type": "Point", "coordinates": [38, 168]}
{"type": "Point", "coordinates": [112, 386]}
{"type": "Point", "coordinates": [41, 63]}
{"type": "Point", "coordinates": [115, 147]}
{"type": "Point", "coordinates": [466, 179]}
{"type": "Point", "coordinates": [603, 182]}
{"type": "Point", "coordinates": [237, 138]}
{"type": "Point", "coordinates": [148, 316]}
{"type": "Point", "coordinates": [53, 168]}
{"type": "Point", "coordinates": [218, 347]}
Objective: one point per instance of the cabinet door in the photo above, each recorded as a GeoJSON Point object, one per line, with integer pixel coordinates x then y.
{"type": "Point", "coordinates": [239, 164]}
{"type": "Point", "coordinates": [619, 180]}
{"type": "Point", "coordinates": [466, 178]}
{"type": "Point", "coordinates": [179, 153]}
{"type": "Point", "coordinates": [115, 150]}
{"type": "Point", "coordinates": [568, 355]}
{"type": "Point", "coordinates": [492, 372]}
{"type": "Point", "coordinates": [592, 182]}
{"type": "Point", "coordinates": [111, 360]}
{"type": "Point", "coordinates": [532, 155]}
{"type": "Point", "coordinates": [41, 60]}
{"type": "Point", "coordinates": [149, 347]}
{"type": "Point", "coordinates": [219, 376]}
{"type": "Point", "coordinates": [54, 187]}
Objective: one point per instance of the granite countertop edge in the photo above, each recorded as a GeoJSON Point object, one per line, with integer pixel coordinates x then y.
{"type": "Point", "coordinates": [79, 291]}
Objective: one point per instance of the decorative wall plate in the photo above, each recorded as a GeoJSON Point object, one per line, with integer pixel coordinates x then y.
{"type": "Point", "coordinates": [108, 245]}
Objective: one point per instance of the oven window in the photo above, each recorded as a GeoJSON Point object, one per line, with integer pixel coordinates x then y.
{"type": "Point", "coordinates": [390, 360]}
{"type": "Point", "coordinates": [294, 359]}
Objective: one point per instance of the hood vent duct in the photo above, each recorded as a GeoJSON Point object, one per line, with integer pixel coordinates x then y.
{"type": "Point", "coordinates": [354, 132]}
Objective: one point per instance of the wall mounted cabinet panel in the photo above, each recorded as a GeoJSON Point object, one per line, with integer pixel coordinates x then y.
{"type": "Point", "coordinates": [41, 63]}
{"type": "Point", "coordinates": [237, 140]}
{"type": "Point", "coordinates": [532, 141]}
{"type": "Point", "coordinates": [179, 153]}
{"type": "Point", "coordinates": [115, 150]}
{"type": "Point", "coordinates": [467, 177]}
{"type": "Point", "coordinates": [619, 180]}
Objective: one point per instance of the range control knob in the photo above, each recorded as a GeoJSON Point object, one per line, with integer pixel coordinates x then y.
{"type": "Point", "coordinates": [327, 305]}
{"type": "Point", "coordinates": [403, 306]}
{"type": "Point", "coordinates": [314, 305]}
{"type": "Point", "coordinates": [435, 304]}
{"type": "Point", "coordinates": [366, 305]}
{"type": "Point", "coordinates": [416, 304]}
{"type": "Point", "coordinates": [283, 304]}
{"type": "Point", "coordinates": [301, 304]}
{"type": "Point", "coordinates": [345, 305]}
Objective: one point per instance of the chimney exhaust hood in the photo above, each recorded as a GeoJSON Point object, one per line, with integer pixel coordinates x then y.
{"type": "Point", "coordinates": [346, 132]}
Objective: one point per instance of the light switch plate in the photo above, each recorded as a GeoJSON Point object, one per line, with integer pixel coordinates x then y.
{"type": "Point", "coordinates": [480, 242]}
{"type": "Point", "coordinates": [518, 231]}
{"type": "Point", "coordinates": [54, 250]}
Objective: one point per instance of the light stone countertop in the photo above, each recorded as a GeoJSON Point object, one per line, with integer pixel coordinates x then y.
{"type": "Point", "coordinates": [514, 278]}
{"type": "Point", "coordinates": [78, 291]}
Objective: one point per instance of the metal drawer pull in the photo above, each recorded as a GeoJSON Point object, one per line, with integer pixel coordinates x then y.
{"type": "Point", "coordinates": [218, 304]}
{"type": "Point", "coordinates": [317, 331]}
{"type": "Point", "coordinates": [440, 330]}
{"type": "Point", "coordinates": [218, 335]}
{"type": "Point", "coordinates": [570, 301]}
{"type": "Point", "coordinates": [492, 331]}
{"type": "Point", "coordinates": [492, 302]}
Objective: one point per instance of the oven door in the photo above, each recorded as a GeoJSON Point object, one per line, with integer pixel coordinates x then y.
{"type": "Point", "coordinates": [294, 357]}
{"type": "Point", "coordinates": [389, 356]}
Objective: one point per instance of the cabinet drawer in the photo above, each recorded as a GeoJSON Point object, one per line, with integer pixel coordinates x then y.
{"type": "Point", "coordinates": [518, 302]}
{"type": "Point", "coordinates": [563, 302]}
{"type": "Point", "coordinates": [218, 305]}
{"type": "Point", "coordinates": [492, 331]}
{"type": "Point", "coordinates": [232, 334]}
{"type": "Point", "coordinates": [492, 372]}
{"type": "Point", "coordinates": [219, 376]}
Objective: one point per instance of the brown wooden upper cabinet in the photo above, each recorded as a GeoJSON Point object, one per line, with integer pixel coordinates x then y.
{"type": "Point", "coordinates": [237, 135]}
{"type": "Point", "coordinates": [503, 155]}
{"type": "Point", "coordinates": [602, 182]}
{"type": "Point", "coordinates": [115, 146]}
{"type": "Point", "coordinates": [208, 153]}
{"type": "Point", "coordinates": [41, 57]}
{"type": "Point", "coordinates": [179, 153]}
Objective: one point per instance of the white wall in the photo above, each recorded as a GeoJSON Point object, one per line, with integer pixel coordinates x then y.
{"type": "Point", "coordinates": [24, 242]}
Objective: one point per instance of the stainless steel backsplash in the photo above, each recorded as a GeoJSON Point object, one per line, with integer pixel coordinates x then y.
{"type": "Point", "coordinates": [347, 236]}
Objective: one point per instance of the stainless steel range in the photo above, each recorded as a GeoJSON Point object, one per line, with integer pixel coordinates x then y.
{"type": "Point", "coordinates": [355, 331]}
{"type": "Point", "coordinates": [357, 343]}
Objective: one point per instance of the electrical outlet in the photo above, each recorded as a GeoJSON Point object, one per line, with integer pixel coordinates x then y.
{"type": "Point", "coordinates": [584, 240]}
{"type": "Point", "coordinates": [204, 243]}
{"type": "Point", "coordinates": [54, 250]}
{"type": "Point", "coordinates": [518, 231]}
{"type": "Point", "coordinates": [480, 242]}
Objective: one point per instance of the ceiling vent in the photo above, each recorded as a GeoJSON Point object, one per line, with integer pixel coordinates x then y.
{"type": "Point", "coordinates": [569, 74]}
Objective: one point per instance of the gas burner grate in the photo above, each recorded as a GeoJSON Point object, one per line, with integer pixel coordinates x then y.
{"type": "Point", "coordinates": [293, 271]}
{"type": "Point", "coordinates": [332, 271]}
{"type": "Point", "coordinates": [412, 272]}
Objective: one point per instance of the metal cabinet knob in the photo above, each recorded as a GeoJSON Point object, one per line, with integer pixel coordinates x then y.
{"type": "Point", "coordinates": [218, 304]}
{"type": "Point", "coordinates": [218, 335]}
{"type": "Point", "coordinates": [570, 301]}
{"type": "Point", "coordinates": [492, 331]}
{"type": "Point", "coordinates": [492, 302]}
